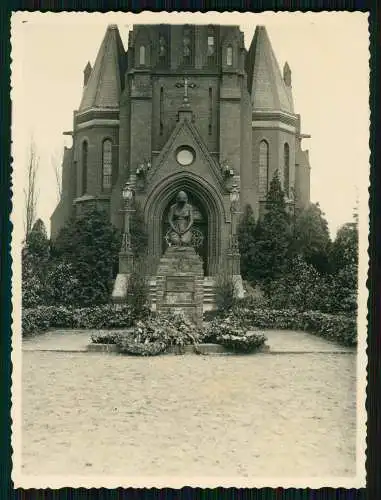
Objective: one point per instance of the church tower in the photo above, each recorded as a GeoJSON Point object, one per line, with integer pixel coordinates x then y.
{"type": "Point", "coordinates": [276, 137]}
{"type": "Point", "coordinates": [90, 166]}
{"type": "Point", "coordinates": [188, 108]}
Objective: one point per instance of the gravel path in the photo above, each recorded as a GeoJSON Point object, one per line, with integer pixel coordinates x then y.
{"type": "Point", "coordinates": [259, 415]}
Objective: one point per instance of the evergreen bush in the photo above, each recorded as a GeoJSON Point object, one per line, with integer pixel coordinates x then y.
{"type": "Point", "coordinates": [107, 316]}
{"type": "Point", "coordinates": [339, 328]}
{"type": "Point", "coordinates": [35, 258]}
{"type": "Point", "coordinates": [89, 244]}
{"type": "Point", "coordinates": [225, 291]}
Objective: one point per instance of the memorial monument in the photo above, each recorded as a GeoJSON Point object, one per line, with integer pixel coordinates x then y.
{"type": "Point", "coordinates": [191, 109]}
{"type": "Point", "coordinates": [179, 287]}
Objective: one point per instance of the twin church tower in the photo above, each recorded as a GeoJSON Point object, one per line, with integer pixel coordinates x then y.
{"type": "Point", "coordinates": [185, 107]}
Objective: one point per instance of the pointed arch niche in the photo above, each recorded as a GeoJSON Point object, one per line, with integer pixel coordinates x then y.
{"type": "Point", "coordinates": [142, 55]}
{"type": "Point", "coordinates": [207, 198]}
{"type": "Point", "coordinates": [106, 165]}
{"type": "Point", "coordinates": [263, 184]}
{"type": "Point", "coordinates": [286, 169]}
{"type": "Point", "coordinates": [142, 48]}
{"type": "Point", "coordinates": [84, 166]}
{"type": "Point", "coordinates": [229, 55]}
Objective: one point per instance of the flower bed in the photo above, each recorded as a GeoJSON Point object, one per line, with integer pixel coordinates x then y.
{"type": "Point", "coordinates": [157, 334]}
{"type": "Point", "coordinates": [234, 333]}
{"type": "Point", "coordinates": [154, 335]}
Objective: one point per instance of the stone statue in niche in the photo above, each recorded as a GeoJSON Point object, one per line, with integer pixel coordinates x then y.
{"type": "Point", "coordinates": [162, 47]}
{"type": "Point", "coordinates": [187, 43]}
{"type": "Point", "coordinates": [181, 221]}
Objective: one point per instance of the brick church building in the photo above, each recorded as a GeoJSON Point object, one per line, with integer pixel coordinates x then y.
{"type": "Point", "coordinates": [187, 108]}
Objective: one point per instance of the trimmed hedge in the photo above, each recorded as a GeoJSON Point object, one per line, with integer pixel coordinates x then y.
{"type": "Point", "coordinates": [108, 316]}
{"type": "Point", "coordinates": [339, 328]}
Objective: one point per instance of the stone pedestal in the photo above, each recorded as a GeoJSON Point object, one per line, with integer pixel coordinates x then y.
{"type": "Point", "coordinates": [126, 262]}
{"type": "Point", "coordinates": [179, 283]}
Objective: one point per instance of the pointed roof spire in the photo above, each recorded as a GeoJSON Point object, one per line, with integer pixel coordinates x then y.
{"type": "Point", "coordinates": [87, 73]}
{"type": "Point", "coordinates": [265, 83]}
{"type": "Point", "coordinates": [287, 74]}
{"type": "Point", "coordinates": [105, 81]}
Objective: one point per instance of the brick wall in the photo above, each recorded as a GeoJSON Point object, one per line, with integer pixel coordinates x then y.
{"type": "Point", "coordinates": [95, 137]}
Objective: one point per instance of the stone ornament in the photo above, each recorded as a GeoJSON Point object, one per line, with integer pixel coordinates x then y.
{"type": "Point", "coordinates": [187, 43]}
{"type": "Point", "coordinates": [227, 169]}
{"type": "Point", "coordinates": [162, 46]}
{"type": "Point", "coordinates": [143, 168]}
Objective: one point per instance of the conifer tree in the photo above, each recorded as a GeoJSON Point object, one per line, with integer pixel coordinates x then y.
{"type": "Point", "coordinates": [311, 238]}
{"type": "Point", "coordinates": [90, 244]}
{"type": "Point", "coordinates": [273, 236]}
{"type": "Point", "coordinates": [37, 243]}
{"type": "Point", "coordinates": [35, 260]}
{"type": "Point", "coordinates": [246, 240]}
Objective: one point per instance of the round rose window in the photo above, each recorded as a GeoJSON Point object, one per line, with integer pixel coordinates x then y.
{"type": "Point", "coordinates": [185, 155]}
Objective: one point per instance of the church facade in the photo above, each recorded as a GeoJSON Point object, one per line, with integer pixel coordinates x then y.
{"type": "Point", "coordinates": [184, 108]}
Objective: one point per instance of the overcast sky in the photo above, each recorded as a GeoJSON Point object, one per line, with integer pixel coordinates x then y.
{"type": "Point", "coordinates": [327, 53]}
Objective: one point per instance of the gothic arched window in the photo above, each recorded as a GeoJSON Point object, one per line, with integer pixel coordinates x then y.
{"type": "Point", "coordinates": [286, 171]}
{"type": "Point", "coordinates": [211, 42]}
{"type": "Point", "coordinates": [106, 164]}
{"type": "Point", "coordinates": [142, 55]}
{"type": "Point", "coordinates": [263, 169]}
{"type": "Point", "coordinates": [85, 151]}
{"type": "Point", "coordinates": [229, 55]}
{"type": "Point", "coordinates": [188, 45]}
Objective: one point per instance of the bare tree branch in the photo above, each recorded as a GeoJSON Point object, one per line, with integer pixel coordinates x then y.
{"type": "Point", "coordinates": [57, 168]}
{"type": "Point", "coordinates": [30, 191]}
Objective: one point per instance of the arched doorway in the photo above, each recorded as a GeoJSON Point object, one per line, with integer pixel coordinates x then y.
{"type": "Point", "coordinates": [209, 211]}
{"type": "Point", "coordinates": [200, 226]}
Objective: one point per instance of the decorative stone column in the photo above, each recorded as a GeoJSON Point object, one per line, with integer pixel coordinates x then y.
{"type": "Point", "coordinates": [234, 257]}
{"type": "Point", "coordinates": [126, 258]}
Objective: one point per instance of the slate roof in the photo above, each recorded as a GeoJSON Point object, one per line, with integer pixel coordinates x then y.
{"type": "Point", "coordinates": [105, 83]}
{"type": "Point", "coordinates": [264, 79]}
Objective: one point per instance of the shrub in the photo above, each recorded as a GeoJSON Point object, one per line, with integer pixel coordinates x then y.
{"type": "Point", "coordinates": [35, 320]}
{"type": "Point", "coordinates": [311, 238]}
{"type": "Point", "coordinates": [255, 300]}
{"type": "Point", "coordinates": [108, 316]}
{"type": "Point", "coordinates": [138, 289]}
{"type": "Point", "coordinates": [32, 288]}
{"type": "Point", "coordinates": [225, 292]}
{"type": "Point", "coordinates": [304, 289]}
{"type": "Point", "coordinates": [301, 288]}
{"type": "Point", "coordinates": [339, 328]}
{"type": "Point", "coordinates": [61, 284]}
{"type": "Point", "coordinates": [90, 244]}
{"type": "Point", "coordinates": [104, 316]}
{"type": "Point", "coordinates": [343, 288]}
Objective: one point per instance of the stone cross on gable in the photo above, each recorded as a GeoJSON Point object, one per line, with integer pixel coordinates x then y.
{"type": "Point", "coordinates": [187, 85]}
